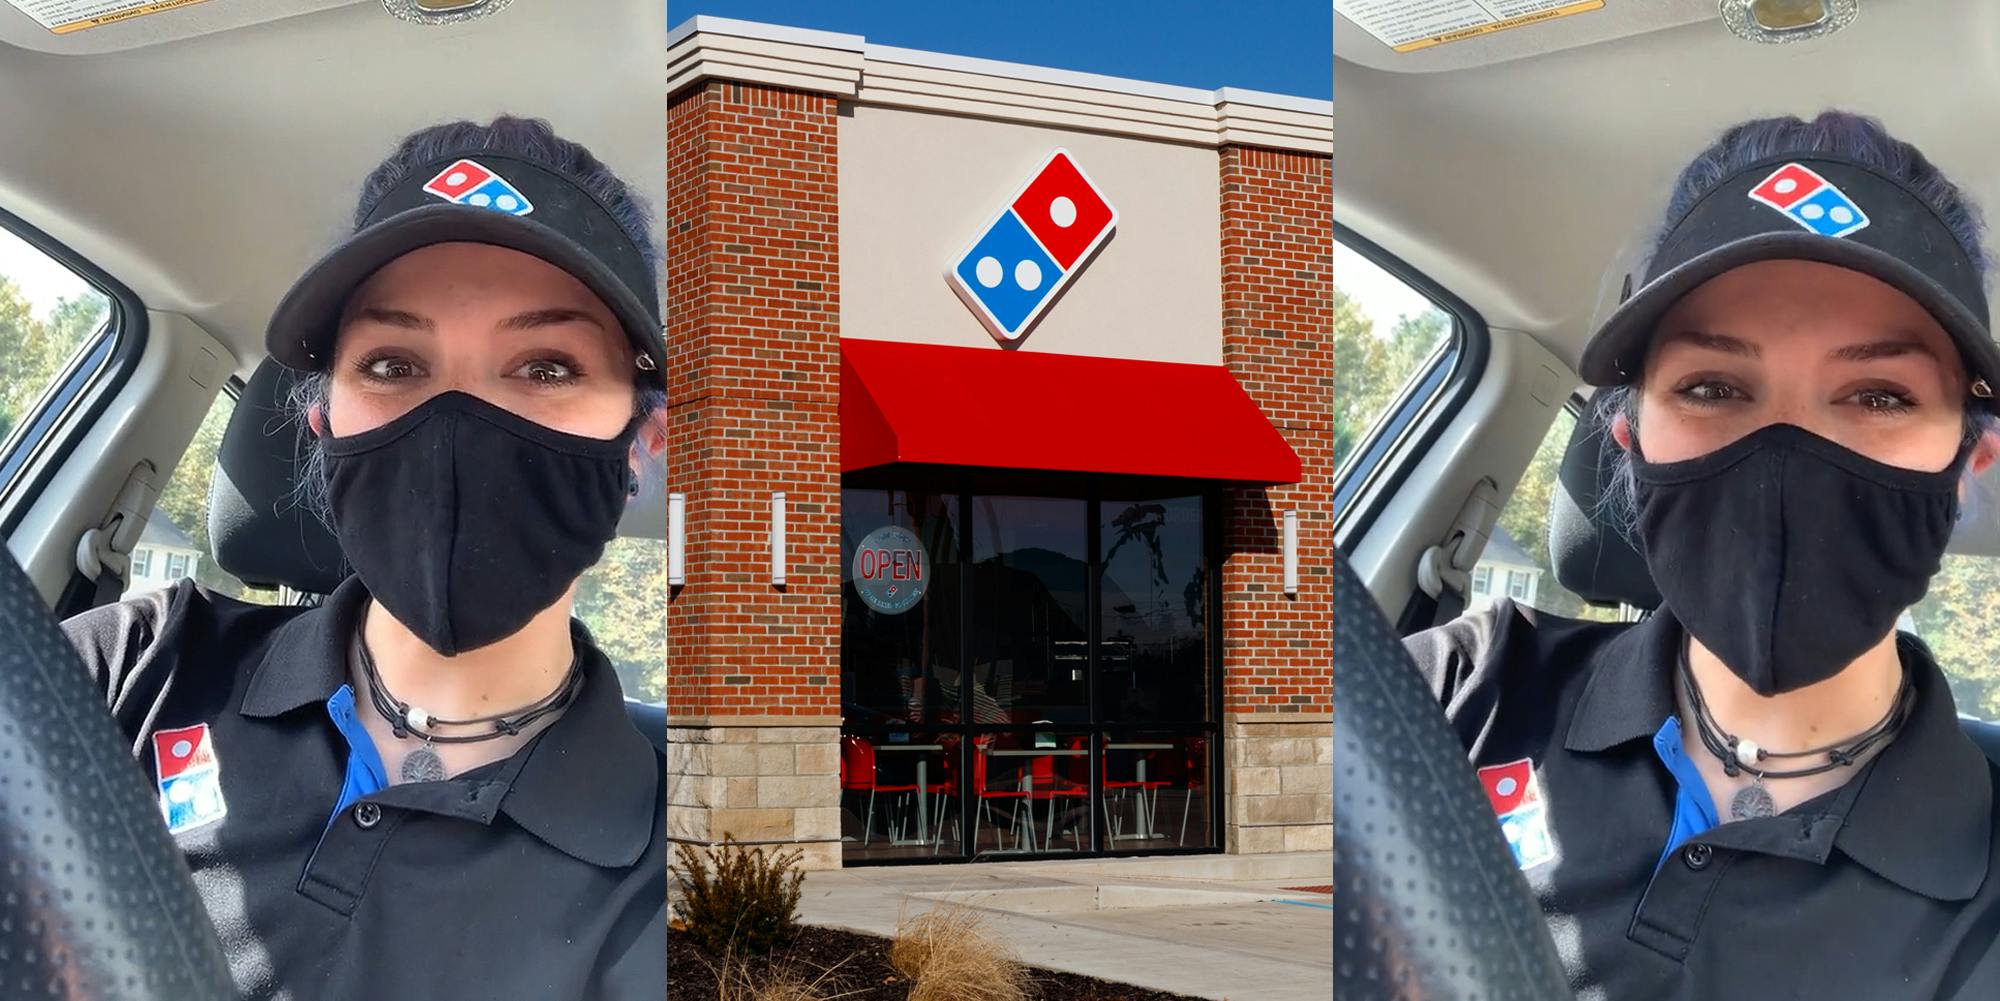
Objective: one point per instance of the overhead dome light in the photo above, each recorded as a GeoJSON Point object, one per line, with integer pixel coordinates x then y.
{"type": "Point", "coordinates": [442, 11]}
{"type": "Point", "coordinates": [1779, 21]}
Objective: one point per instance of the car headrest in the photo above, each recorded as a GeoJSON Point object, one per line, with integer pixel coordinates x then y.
{"type": "Point", "coordinates": [264, 537]}
{"type": "Point", "coordinates": [260, 532]}
{"type": "Point", "coordinates": [1592, 554]}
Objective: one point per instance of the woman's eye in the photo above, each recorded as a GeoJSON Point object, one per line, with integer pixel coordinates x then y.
{"type": "Point", "coordinates": [390, 369]}
{"type": "Point", "coordinates": [1708, 392]}
{"type": "Point", "coordinates": [1883, 401]}
{"type": "Point", "coordinates": [548, 371]}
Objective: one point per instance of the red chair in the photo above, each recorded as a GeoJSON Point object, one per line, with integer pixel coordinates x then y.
{"type": "Point", "coordinates": [1049, 786]}
{"type": "Point", "coordinates": [857, 774]}
{"type": "Point", "coordinates": [1122, 786]}
{"type": "Point", "coordinates": [987, 794]}
{"type": "Point", "coordinates": [946, 791]}
{"type": "Point", "coordinates": [1194, 765]}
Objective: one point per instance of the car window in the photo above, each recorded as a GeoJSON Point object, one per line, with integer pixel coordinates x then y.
{"type": "Point", "coordinates": [1384, 332]}
{"type": "Point", "coordinates": [1956, 618]}
{"type": "Point", "coordinates": [623, 601]}
{"type": "Point", "coordinates": [175, 542]}
{"type": "Point", "coordinates": [1515, 563]}
{"type": "Point", "coordinates": [48, 314]}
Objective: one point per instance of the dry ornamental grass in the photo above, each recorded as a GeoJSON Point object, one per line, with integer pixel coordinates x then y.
{"type": "Point", "coordinates": [831, 964]}
{"type": "Point", "coordinates": [949, 956]}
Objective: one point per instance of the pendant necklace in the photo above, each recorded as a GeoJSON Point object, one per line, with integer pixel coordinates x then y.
{"type": "Point", "coordinates": [423, 764]}
{"type": "Point", "coordinates": [1741, 754]}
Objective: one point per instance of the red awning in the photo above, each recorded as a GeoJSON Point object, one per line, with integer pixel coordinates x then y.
{"type": "Point", "coordinates": [926, 403]}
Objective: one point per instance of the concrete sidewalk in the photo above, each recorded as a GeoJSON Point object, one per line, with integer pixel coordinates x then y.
{"type": "Point", "coordinates": [1211, 926]}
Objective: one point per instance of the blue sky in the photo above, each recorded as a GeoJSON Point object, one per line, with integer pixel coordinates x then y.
{"type": "Point", "coordinates": [1281, 46]}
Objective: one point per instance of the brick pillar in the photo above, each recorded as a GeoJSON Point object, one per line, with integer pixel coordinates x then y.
{"type": "Point", "coordinates": [753, 367]}
{"type": "Point", "coordinates": [1277, 338]}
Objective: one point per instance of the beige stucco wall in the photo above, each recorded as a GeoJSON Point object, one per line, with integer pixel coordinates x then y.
{"type": "Point", "coordinates": [917, 187]}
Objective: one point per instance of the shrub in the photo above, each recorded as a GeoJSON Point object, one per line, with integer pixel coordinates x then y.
{"type": "Point", "coordinates": [737, 900]}
{"type": "Point", "coordinates": [949, 956]}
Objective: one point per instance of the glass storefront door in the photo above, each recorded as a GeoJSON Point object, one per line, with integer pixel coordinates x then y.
{"type": "Point", "coordinates": [1026, 674]}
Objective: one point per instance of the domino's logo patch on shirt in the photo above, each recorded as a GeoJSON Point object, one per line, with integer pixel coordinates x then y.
{"type": "Point", "coordinates": [1516, 793]}
{"type": "Point", "coordinates": [1811, 201]}
{"type": "Point", "coordinates": [190, 777]}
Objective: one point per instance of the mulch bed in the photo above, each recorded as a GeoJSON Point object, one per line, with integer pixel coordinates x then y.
{"type": "Point", "coordinates": [862, 972]}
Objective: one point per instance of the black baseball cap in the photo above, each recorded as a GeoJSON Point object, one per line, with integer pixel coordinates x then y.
{"type": "Point", "coordinates": [477, 196]}
{"type": "Point", "coordinates": [1806, 207]}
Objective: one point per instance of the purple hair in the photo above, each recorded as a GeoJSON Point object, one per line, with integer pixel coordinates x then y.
{"type": "Point", "coordinates": [1854, 137]}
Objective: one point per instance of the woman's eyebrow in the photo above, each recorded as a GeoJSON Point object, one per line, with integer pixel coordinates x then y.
{"type": "Point", "coordinates": [548, 318]}
{"type": "Point", "coordinates": [1874, 350]}
{"type": "Point", "coordinates": [395, 318]}
{"type": "Point", "coordinates": [1715, 342]}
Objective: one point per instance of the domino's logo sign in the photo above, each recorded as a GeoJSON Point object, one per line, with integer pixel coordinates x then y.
{"type": "Point", "coordinates": [468, 182]}
{"type": "Point", "coordinates": [1033, 248]}
{"type": "Point", "coordinates": [1811, 201]}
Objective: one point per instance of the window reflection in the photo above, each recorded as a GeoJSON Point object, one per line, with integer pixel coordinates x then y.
{"type": "Point", "coordinates": [1153, 660]}
{"type": "Point", "coordinates": [1030, 635]}
{"type": "Point", "coordinates": [901, 666]}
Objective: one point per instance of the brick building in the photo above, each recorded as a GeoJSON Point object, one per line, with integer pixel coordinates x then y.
{"type": "Point", "coordinates": [993, 390]}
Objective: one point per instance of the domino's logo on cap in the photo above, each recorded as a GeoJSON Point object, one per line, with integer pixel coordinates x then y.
{"type": "Point", "coordinates": [468, 182]}
{"type": "Point", "coordinates": [1811, 201]}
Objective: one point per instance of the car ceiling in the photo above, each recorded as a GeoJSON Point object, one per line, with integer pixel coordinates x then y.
{"type": "Point", "coordinates": [204, 156]}
{"type": "Point", "coordinates": [1523, 169]}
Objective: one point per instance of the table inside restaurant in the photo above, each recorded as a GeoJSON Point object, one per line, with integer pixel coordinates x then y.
{"type": "Point", "coordinates": [923, 790]}
{"type": "Point", "coordinates": [1028, 784]}
{"type": "Point", "coordinates": [1145, 814]}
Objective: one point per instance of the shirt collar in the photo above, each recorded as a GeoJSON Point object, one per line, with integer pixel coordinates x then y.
{"type": "Point", "coordinates": [1630, 691]}
{"type": "Point", "coordinates": [588, 785]}
{"type": "Point", "coordinates": [306, 661]}
{"type": "Point", "coordinates": [1920, 815]}
{"type": "Point", "coordinates": [1923, 817]}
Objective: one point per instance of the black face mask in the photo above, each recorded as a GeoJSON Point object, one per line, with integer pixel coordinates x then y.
{"type": "Point", "coordinates": [1789, 556]}
{"type": "Point", "coordinates": [465, 520]}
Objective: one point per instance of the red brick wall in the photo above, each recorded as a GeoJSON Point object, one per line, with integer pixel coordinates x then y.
{"type": "Point", "coordinates": [1277, 337]}
{"type": "Point", "coordinates": [753, 375]}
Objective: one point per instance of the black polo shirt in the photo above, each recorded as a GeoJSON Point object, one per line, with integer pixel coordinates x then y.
{"type": "Point", "coordinates": [540, 877]}
{"type": "Point", "coordinates": [1884, 889]}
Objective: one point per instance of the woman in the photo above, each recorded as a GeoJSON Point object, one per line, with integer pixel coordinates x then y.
{"type": "Point", "coordinates": [427, 786]}
{"type": "Point", "coordinates": [1762, 790]}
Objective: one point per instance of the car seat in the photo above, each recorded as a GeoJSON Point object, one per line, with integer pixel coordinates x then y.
{"type": "Point", "coordinates": [265, 538]}
{"type": "Point", "coordinates": [1598, 560]}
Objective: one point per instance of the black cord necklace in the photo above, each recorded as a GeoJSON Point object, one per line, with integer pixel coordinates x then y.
{"type": "Point", "coordinates": [423, 764]}
{"type": "Point", "coordinates": [1740, 754]}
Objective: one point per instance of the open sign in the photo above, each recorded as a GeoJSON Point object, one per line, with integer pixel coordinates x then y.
{"type": "Point", "coordinates": [890, 569]}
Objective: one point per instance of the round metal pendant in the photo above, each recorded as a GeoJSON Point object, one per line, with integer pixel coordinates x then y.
{"type": "Point", "coordinates": [422, 765]}
{"type": "Point", "coordinates": [1750, 802]}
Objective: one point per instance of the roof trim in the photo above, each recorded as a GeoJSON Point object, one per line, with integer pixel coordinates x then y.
{"type": "Point", "coordinates": [1043, 74]}
{"type": "Point", "coordinates": [848, 66]}
{"type": "Point", "coordinates": [709, 24]}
